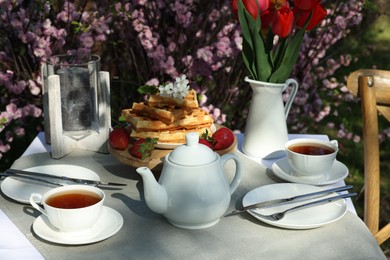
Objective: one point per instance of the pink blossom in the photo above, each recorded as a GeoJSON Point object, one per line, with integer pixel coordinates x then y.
{"type": "Point", "coordinates": [340, 21]}
{"type": "Point", "coordinates": [5, 116]}
{"type": "Point", "coordinates": [86, 40]}
{"type": "Point", "coordinates": [6, 77]}
{"type": "Point", "coordinates": [205, 54]}
{"type": "Point", "coordinates": [9, 137]}
{"type": "Point", "coordinates": [199, 34]}
{"type": "Point", "coordinates": [19, 131]}
{"type": "Point", "coordinates": [147, 44]}
{"type": "Point", "coordinates": [171, 47]}
{"type": "Point", "coordinates": [183, 16]}
{"type": "Point", "coordinates": [153, 82]}
{"type": "Point", "coordinates": [139, 2]}
{"type": "Point", "coordinates": [356, 139]}
{"type": "Point", "coordinates": [331, 84]}
{"type": "Point", "coordinates": [39, 52]}
{"type": "Point", "coordinates": [31, 110]}
{"type": "Point", "coordinates": [17, 88]}
{"type": "Point", "coordinates": [215, 113]}
{"type": "Point", "coordinates": [214, 15]}
{"type": "Point", "coordinates": [169, 67]}
{"type": "Point", "coordinates": [101, 38]}
{"type": "Point", "coordinates": [4, 147]}
{"type": "Point", "coordinates": [27, 37]}
{"type": "Point", "coordinates": [13, 111]}
{"type": "Point", "coordinates": [148, 33]}
{"type": "Point", "coordinates": [17, 24]}
{"type": "Point", "coordinates": [138, 26]}
{"type": "Point", "coordinates": [216, 66]}
{"type": "Point", "coordinates": [182, 38]}
{"type": "Point", "coordinates": [46, 24]}
{"type": "Point", "coordinates": [187, 60]}
{"type": "Point", "coordinates": [223, 47]}
{"type": "Point", "coordinates": [34, 89]}
{"type": "Point", "coordinates": [118, 7]}
{"type": "Point", "coordinates": [46, 7]}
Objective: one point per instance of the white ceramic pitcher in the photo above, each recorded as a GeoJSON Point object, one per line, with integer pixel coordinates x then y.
{"type": "Point", "coordinates": [266, 128]}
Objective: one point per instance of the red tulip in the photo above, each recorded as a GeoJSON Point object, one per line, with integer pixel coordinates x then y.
{"type": "Point", "coordinates": [318, 15]}
{"type": "Point", "coordinates": [263, 5]}
{"type": "Point", "coordinates": [251, 6]}
{"type": "Point", "coordinates": [282, 22]}
{"type": "Point", "coordinates": [306, 4]}
{"type": "Point", "coordinates": [266, 18]}
{"type": "Point", "coordinates": [278, 3]}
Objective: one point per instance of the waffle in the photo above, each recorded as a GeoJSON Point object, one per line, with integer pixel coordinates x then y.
{"type": "Point", "coordinates": [188, 103]}
{"type": "Point", "coordinates": [167, 115]}
{"type": "Point", "coordinates": [198, 118]}
{"type": "Point", "coordinates": [171, 136]}
{"type": "Point", "coordinates": [168, 119]}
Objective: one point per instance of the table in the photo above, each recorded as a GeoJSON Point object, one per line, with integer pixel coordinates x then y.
{"type": "Point", "coordinates": [146, 235]}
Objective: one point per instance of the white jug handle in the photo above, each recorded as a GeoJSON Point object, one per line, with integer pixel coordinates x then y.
{"type": "Point", "coordinates": [34, 204]}
{"type": "Point", "coordinates": [294, 85]}
{"type": "Point", "coordinates": [237, 175]}
{"type": "Point", "coordinates": [335, 143]}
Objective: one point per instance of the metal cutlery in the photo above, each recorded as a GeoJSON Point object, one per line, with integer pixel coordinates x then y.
{"type": "Point", "coordinates": [280, 215]}
{"type": "Point", "coordinates": [35, 176]}
{"type": "Point", "coordinates": [4, 174]}
{"type": "Point", "coordinates": [297, 198]}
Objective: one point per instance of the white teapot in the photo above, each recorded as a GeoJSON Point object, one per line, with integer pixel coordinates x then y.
{"type": "Point", "coordinates": [193, 191]}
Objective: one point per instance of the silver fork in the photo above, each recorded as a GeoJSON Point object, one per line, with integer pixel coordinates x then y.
{"type": "Point", "coordinates": [280, 215]}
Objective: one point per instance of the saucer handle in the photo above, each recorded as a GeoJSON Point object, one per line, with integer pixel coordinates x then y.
{"type": "Point", "coordinates": [34, 204]}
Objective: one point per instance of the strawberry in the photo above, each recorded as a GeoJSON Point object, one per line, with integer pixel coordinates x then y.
{"type": "Point", "coordinates": [119, 138]}
{"type": "Point", "coordinates": [206, 142]}
{"type": "Point", "coordinates": [143, 148]}
{"type": "Point", "coordinates": [222, 138]}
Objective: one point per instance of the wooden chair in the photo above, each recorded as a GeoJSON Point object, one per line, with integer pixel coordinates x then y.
{"type": "Point", "coordinates": [373, 87]}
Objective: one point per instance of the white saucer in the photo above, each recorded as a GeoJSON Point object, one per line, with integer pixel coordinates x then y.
{"type": "Point", "coordinates": [109, 223]}
{"type": "Point", "coordinates": [20, 189]}
{"type": "Point", "coordinates": [283, 170]}
{"type": "Point", "coordinates": [312, 217]}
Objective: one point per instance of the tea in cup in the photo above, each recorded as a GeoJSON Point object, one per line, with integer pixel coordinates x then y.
{"type": "Point", "coordinates": [311, 157]}
{"type": "Point", "coordinates": [72, 207]}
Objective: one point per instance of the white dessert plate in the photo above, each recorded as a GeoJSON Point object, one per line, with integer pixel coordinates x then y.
{"type": "Point", "coordinates": [20, 189]}
{"type": "Point", "coordinates": [307, 218]}
{"type": "Point", "coordinates": [283, 170]}
{"type": "Point", "coordinates": [108, 224]}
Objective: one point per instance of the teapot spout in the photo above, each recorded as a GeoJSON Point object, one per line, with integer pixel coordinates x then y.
{"type": "Point", "coordinates": [156, 196]}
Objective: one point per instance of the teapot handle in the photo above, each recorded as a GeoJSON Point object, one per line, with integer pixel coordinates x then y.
{"type": "Point", "coordinates": [237, 176]}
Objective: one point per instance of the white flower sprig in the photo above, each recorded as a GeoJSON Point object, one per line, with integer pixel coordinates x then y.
{"type": "Point", "coordinates": [178, 89]}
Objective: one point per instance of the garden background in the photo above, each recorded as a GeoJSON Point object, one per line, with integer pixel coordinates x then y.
{"type": "Point", "coordinates": [151, 42]}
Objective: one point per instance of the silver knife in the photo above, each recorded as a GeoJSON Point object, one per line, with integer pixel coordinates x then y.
{"type": "Point", "coordinates": [4, 174]}
{"type": "Point", "coordinates": [20, 173]}
{"type": "Point", "coordinates": [278, 202]}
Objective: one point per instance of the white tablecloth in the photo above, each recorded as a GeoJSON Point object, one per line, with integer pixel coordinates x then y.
{"type": "Point", "coordinates": [146, 235]}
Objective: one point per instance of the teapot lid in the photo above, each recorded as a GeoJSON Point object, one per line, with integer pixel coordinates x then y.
{"type": "Point", "coordinates": [192, 153]}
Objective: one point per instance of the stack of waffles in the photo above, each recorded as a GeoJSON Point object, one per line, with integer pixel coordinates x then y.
{"type": "Point", "coordinates": [168, 119]}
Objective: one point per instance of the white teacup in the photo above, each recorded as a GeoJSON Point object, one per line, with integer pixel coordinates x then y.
{"type": "Point", "coordinates": [311, 157]}
{"type": "Point", "coordinates": [71, 208]}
